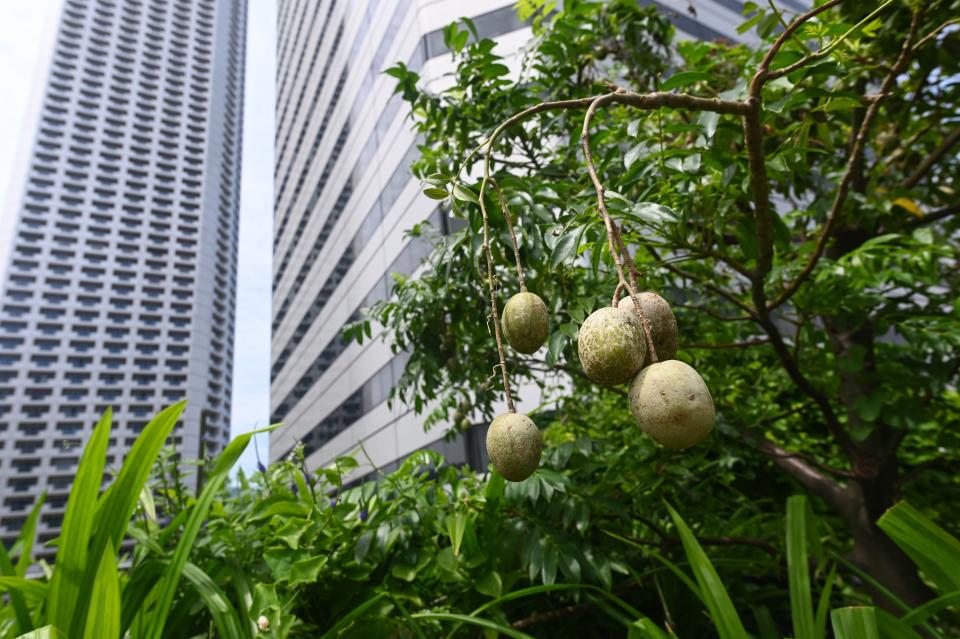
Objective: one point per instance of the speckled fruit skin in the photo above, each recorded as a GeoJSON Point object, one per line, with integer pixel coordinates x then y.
{"type": "Point", "coordinates": [663, 325]}
{"type": "Point", "coordinates": [526, 322]}
{"type": "Point", "coordinates": [672, 404]}
{"type": "Point", "coordinates": [514, 444]}
{"type": "Point", "coordinates": [611, 346]}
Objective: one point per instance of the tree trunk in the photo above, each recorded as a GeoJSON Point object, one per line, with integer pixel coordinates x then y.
{"type": "Point", "coordinates": [877, 555]}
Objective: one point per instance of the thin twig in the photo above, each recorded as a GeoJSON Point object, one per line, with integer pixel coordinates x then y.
{"type": "Point", "coordinates": [513, 236]}
{"type": "Point", "coordinates": [933, 34]}
{"type": "Point", "coordinates": [952, 138]}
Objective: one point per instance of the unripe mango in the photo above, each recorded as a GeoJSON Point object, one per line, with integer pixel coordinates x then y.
{"type": "Point", "coordinates": [525, 322]}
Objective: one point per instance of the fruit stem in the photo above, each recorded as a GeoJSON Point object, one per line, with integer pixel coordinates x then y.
{"type": "Point", "coordinates": [513, 236]}
{"type": "Point", "coordinates": [618, 251]}
{"type": "Point", "coordinates": [493, 293]}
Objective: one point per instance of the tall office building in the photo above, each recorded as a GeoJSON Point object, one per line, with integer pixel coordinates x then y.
{"type": "Point", "coordinates": [345, 196]}
{"type": "Point", "coordinates": [120, 265]}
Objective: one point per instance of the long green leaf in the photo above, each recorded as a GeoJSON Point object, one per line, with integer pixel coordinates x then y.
{"type": "Point", "coordinates": [892, 628]}
{"type": "Point", "coordinates": [168, 584]}
{"type": "Point", "coordinates": [29, 588]}
{"type": "Point", "coordinates": [823, 605]}
{"type": "Point", "coordinates": [47, 632]}
{"type": "Point", "coordinates": [935, 551]}
{"type": "Point", "coordinates": [103, 619]}
{"type": "Point", "coordinates": [645, 629]}
{"type": "Point", "coordinates": [222, 611]}
{"type": "Point", "coordinates": [474, 621]}
{"type": "Point", "coordinates": [798, 568]}
{"type": "Point", "coordinates": [715, 595]}
{"type": "Point", "coordinates": [115, 508]}
{"type": "Point", "coordinates": [352, 616]}
{"type": "Point", "coordinates": [17, 602]}
{"type": "Point", "coordinates": [855, 622]}
{"type": "Point", "coordinates": [28, 535]}
{"type": "Point", "coordinates": [922, 613]}
{"type": "Point", "coordinates": [70, 585]}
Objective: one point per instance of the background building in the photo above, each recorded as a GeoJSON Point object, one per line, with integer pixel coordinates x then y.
{"type": "Point", "coordinates": [345, 195]}
{"type": "Point", "coordinates": [120, 265]}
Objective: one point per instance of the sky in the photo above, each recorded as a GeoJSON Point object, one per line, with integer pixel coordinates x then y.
{"type": "Point", "coordinates": [24, 25]}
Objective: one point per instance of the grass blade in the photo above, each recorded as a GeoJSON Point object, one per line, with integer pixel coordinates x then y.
{"type": "Point", "coordinates": [645, 629]}
{"type": "Point", "coordinates": [28, 535]}
{"type": "Point", "coordinates": [70, 587]}
{"type": "Point", "coordinates": [20, 611]}
{"type": "Point", "coordinates": [115, 508]}
{"type": "Point", "coordinates": [715, 595]}
{"type": "Point", "coordinates": [855, 622]}
{"type": "Point", "coordinates": [935, 551]}
{"type": "Point", "coordinates": [892, 628]}
{"type": "Point", "coordinates": [222, 611]}
{"type": "Point", "coordinates": [922, 613]}
{"type": "Point", "coordinates": [103, 619]}
{"type": "Point", "coordinates": [474, 621]}
{"type": "Point", "coordinates": [823, 605]}
{"type": "Point", "coordinates": [167, 587]}
{"type": "Point", "coordinates": [47, 632]}
{"type": "Point", "coordinates": [353, 615]}
{"type": "Point", "coordinates": [798, 568]}
{"type": "Point", "coordinates": [29, 588]}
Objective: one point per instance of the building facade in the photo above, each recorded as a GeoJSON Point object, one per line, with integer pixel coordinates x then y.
{"type": "Point", "coordinates": [344, 197]}
{"type": "Point", "coordinates": [119, 272]}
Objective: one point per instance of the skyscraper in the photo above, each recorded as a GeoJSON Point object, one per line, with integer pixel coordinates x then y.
{"type": "Point", "coordinates": [345, 196]}
{"type": "Point", "coordinates": [120, 270]}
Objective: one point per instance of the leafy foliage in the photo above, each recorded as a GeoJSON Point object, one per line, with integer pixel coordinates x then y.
{"type": "Point", "coordinates": [829, 340]}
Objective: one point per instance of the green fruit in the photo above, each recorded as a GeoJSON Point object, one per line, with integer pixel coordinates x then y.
{"type": "Point", "coordinates": [672, 404]}
{"type": "Point", "coordinates": [526, 322]}
{"type": "Point", "coordinates": [514, 444]}
{"type": "Point", "coordinates": [611, 346]}
{"type": "Point", "coordinates": [660, 319]}
{"type": "Point", "coordinates": [465, 424]}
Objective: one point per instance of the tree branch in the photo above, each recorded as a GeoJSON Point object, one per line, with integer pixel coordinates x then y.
{"type": "Point", "coordinates": [809, 477]}
{"type": "Point", "coordinates": [513, 236]}
{"type": "Point", "coordinates": [936, 216]}
{"type": "Point", "coordinates": [952, 138]}
{"type": "Point", "coordinates": [744, 344]}
{"type": "Point", "coordinates": [855, 155]}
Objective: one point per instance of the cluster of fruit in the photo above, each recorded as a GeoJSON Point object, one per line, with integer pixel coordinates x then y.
{"type": "Point", "coordinates": [668, 398]}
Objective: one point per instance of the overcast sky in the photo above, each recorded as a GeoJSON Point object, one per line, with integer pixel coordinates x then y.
{"type": "Point", "coordinates": [23, 27]}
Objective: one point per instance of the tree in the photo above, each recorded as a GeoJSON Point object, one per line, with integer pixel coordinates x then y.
{"type": "Point", "coordinates": [796, 205]}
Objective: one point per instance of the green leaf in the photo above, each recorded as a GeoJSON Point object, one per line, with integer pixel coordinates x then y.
{"type": "Point", "coordinates": [490, 584]}
{"type": "Point", "coordinates": [7, 569]}
{"type": "Point", "coordinates": [363, 546]}
{"type": "Point", "coordinates": [464, 194]}
{"type": "Point", "coordinates": [645, 629]}
{"type": "Point", "coordinates": [103, 618]}
{"type": "Point", "coordinates": [29, 588]}
{"type": "Point", "coordinates": [567, 247]}
{"type": "Point", "coordinates": [823, 605]}
{"type": "Point", "coordinates": [892, 628]}
{"type": "Point", "coordinates": [456, 525]}
{"type": "Point", "coordinates": [70, 585]}
{"type": "Point", "coordinates": [47, 632]}
{"type": "Point", "coordinates": [685, 78]}
{"type": "Point", "coordinates": [935, 551]}
{"type": "Point", "coordinates": [715, 596]}
{"type": "Point", "coordinates": [225, 617]}
{"type": "Point", "coordinates": [168, 585]}
{"type": "Point", "coordinates": [855, 622]}
{"type": "Point", "coordinates": [798, 568]}
{"type": "Point", "coordinates": [436, 194]}
{"type": "Point", "coordinates": [631, 156]}
{"type": "Point", "coordinates": [922, 613]}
